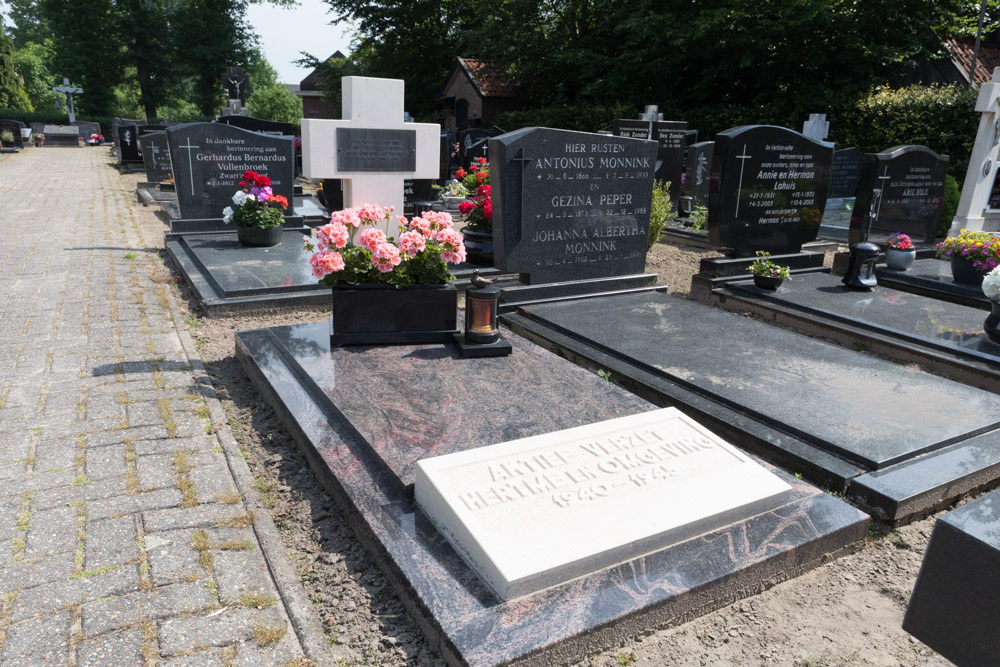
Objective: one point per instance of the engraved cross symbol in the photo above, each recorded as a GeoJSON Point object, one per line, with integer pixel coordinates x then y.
{"type": "Point", "coordinates": [876, 205]}
{"type": "Point", "coordinates": [188, 146]}
{"type": "Point", "coordinates": [524, 163]}
{"type": "Point", "coordinates": [743, 162]}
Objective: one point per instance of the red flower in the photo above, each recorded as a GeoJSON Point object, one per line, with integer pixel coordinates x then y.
{"type": "Point", "coordinates": [281, 201]}
{"type": "Point", "coordinates": [243, 184]}
{"type": "Point", "coordinates": [481, 160]}
{"type": "Point", "coordinates": [465, 207]}
{"type": "Point", "coordinates": [249, 175]}
{"type": "Point", "coordinates": [263, 181]}
{"type": "Point", "coordinates": [473, 168]}
{"type": "Point", "coordinates": [460, 173]}
{"type": "Point", "coordinates": [488, 209]}
{"type": "Point", "coordinates": [484, 191]}
{"type": "Point", "coordinates": [480, 177]}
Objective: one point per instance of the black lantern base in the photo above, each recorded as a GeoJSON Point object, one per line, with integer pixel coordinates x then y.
{"type": "Point", "coordinates": [467, 350]}
{"type": "Point", "coordinates": [861, 269]}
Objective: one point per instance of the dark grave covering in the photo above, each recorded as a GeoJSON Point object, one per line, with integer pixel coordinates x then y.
{"type": "Point", "coordinates": [333, 194]}
{"type": "Point", "coordinates": [328, 401]}
{"type": "Point", "coordinates": [118, 122]}
{"type": "Point", "coordinates": [469, 138]}
{"type": "Point", "coordinates": [955, 606]}
{"type": "Point", "coordinates": [768, 189]}
{"type": "Point", "coordinates": [932, 277]}
{"type": "Point", "coordinates": [61, 135]}
{"type": "Point", "coordinates": [699, 166]}
{"type": "Point", "coordinates": [899, 439]}
{"type": "Point", "coordinates": [911, 183]}
{"type": "Point", "coordinates": [447, 148]}
{"type": "Point", "coordinates": [155, 156]}
{"type": "Point", "coordinates": [260, 125]}
{"type": "Point", "coordinates": [570, 205]}
{"type": "Point", "coordinates": [209, 160]}
{"type": "Point", "coordinates": [127, 144]}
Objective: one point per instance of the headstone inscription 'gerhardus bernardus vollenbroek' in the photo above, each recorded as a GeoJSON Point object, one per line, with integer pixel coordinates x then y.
{"type": "Point", "coordinates": [209, 160]}
{"type": "Point", "coordinates": [768, 189]}
{"type": "Point", "coordinates": [570, 205]}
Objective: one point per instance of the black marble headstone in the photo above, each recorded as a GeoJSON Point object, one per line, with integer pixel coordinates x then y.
{"type": "Point", "coordinates": [480, 149]}
{"type": "Point", "coordinates": [209, 160]}
{"type": "Point", "coordinates": [127, 143]}
{"type": "Point", "coordinates": [14, 127]}
{"type": "Point", "coordinates": [846, 170]}
{"type": "Point", "coordinates": [467, 139]}
{"type": "Point", "coordinates": [768, 189]}
{"type": "Point", "coordinates": [955, 606]}
{"type": "Point", "coordinates": [260, 125]}
{"type": "Point", "coordinates": [911, 181]}
{"type": "Point", "coordinates": [118, 122]}
{"type": "Point", "coordinates": [570, 205]}
{"type": "Point", "coordinates": [671, 140]}
{"type": "Point", "coordinates": [699, 166]}
{"type": "Point", "coordinates": [447, 148]}
{"type": "Point", "coordinates": [155, 156]}
{"type": "Point", "coordinates": [415, 190]}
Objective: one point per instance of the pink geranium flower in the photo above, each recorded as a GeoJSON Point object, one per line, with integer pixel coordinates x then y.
{"type": "Point", "coordinates": [348, 217]}
{"type": "Point", "coordinates": [412, 242]}
{"type": "Point", "coordinates": [386, 257]}
{"type": "Point", "coordinates": [326, 262]}
{"type": "Point", "coordinates": [333, 235]}
{"type": "Point", "coordinates": [371, 238]}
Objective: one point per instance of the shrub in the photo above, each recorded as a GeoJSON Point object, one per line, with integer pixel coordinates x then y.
{"type": "Point", "coordinates": [565, 117]}
{"type": "Point", "coordinates": [659, 212]}
{"type": "Point", "coordinates": [951, 196]}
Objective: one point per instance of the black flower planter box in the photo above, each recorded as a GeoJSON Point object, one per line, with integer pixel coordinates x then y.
{"type": "Point", "coordinates": [368, 314]}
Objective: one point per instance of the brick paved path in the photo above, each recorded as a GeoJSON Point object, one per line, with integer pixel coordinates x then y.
{"type": "Point", "coordinates": [123, 538]}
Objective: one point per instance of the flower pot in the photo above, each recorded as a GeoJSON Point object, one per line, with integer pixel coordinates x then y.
{"type": "Point", "coordinates": [768, 282]}
{"type": "Point", "coordinates": [367, 314]}
{"type": "Point", "coordinates": [451, 203]}
{"type": "Point", "coordinates": [478, 247]}
{"type": "Point", "coordinates": [991, 327]}
{"type": "Point", "coordinates": [256, 237]}
{"type": "Point", "coordinates": [900, 260]}
{"type": "Point", "coordinates": [962, 270]}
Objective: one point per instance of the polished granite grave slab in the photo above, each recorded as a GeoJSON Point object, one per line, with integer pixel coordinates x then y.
{"type": "Point", "coordinates": [415, 400]}
{"type": "Point", "coordinates": [227, 277]}
{"type": "Point", "coordinates": [943, 336]}
{"type": "Point", "coordinates": [955, 606]}
{"type": "Point", "coordinates": [932, 277]}
{"type": "Point", "coordinates": [843, 418]}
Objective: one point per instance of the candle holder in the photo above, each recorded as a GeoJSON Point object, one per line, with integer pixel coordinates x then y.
{"type": "Point", "coordinates": [482, 328]}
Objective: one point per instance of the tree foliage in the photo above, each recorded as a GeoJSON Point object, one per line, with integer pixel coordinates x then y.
{"type": "Point", "coordinates": [268, 98]}
{"type": "Point", "coordinates": [31, 62]}
{"type": "Point", "coordinates": [12, 96]}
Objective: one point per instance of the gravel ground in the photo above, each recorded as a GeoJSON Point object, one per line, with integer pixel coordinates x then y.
{"type": "Point", "coordinates": [846, 612]}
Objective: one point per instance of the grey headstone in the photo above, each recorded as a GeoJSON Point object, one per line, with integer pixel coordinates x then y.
{"type": "Point", "coordinates": [87, 128]}
{"type": "Point", "coordinates": [570, 205]}
{"type": "Point", "coordinates": [846, 170]}
{"type": "Point", "coordinates": [209, 160]}
{"type": "Point", "coordinates": [61, 135]}
{"type": "Point", "coordinates": [155, 156]}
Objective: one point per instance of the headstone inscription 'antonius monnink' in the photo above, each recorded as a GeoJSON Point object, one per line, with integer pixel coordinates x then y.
{"type": "Point", "coordinates": [209, 160]}
{"type": "Point", "coordinates": [769, 187]}
{"type": "Point", "coordinates": [906, 184]}
{"type": "Point", "coordinates": [570, 205]}
{"type": "Point", "coordinates": [373, 149]}
{"type": "Point", "coordinates": [577, 485]}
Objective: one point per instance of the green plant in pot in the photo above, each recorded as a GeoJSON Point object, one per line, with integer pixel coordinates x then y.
{"type": "Point", "coordinates": [972, 255]}
{"type": "Point", "coordinates": [7, 137]}
{"type": "Point", "coordinates": [257, 212]}
{"type": "Point", "coordinates": [478, 230]}
{"type": "Point", "coordinates": [767, 274]}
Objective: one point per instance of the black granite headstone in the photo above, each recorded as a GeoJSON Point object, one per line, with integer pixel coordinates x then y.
{"type": "Point", "coordinates": [670, 137]}
{"type": "Point", "coordinates": [374, 149]}
{"type": "Point", "coordinates": [955, 606]}
{"type": "Point", "coordinates": [128, 145]}
{"type": "Point", "coordinates": [447, 148]}
{"type": "Point", "coordinates": [570, 205]}
{"type": "Point", "coordinates": [260, 125]}
{"type": "Point", "coordinates": [911, 184]}
{"type": "Point", "coordinates": [467, 139]}
{"type": "Point", "coordinates": [155, 156]}
{"type": "Point", "coordinates": [209, 160]}
{"type": "Point", "coordinates": [846, 170]}
{"type": "Point", "coordinates": [14, 127]}
{"type": "Point", "coordinates": [768, 189]}
{"type": "Point", "coordinates": [416, 190]}
{"type": "Point", "coordinates": [480, 149]}
{"type": "Point", "coordinates": [118, 122]}
{"type": "Point", "coordinates": [699, 166]}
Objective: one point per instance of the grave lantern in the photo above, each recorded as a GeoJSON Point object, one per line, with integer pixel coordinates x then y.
{"type": "Point", "coordinates": [482, 329]}
{"type": "Point", "coordinates": [861, 270]}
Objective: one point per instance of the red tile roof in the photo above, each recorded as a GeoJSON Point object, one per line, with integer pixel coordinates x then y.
{"type": "Point", "coordinates": [487, 79]}
{"type": "Point", "coordinates": [961, 52]}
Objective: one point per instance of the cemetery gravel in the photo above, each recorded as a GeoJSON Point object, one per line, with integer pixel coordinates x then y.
{"type": "Point", "coordinates": [845, 612]}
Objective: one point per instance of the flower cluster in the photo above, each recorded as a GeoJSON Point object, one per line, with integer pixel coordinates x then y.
{"type": "Point", "coordinates": [764, 266]}
{"type": "Point", "coordinates": [96, 139]}
{"type": "Point", "coordinates": [991, 285]}
{"type": "Point", "coordinates": [981, 248]}
{"type": "Point", "coordinates": [899, 241]}
{"type": "Point", "coordinates": [479, 174]}
{"type": "Point", "coordinates": [255, 204]}
{"type": "Point", "coordinates": [353, 248]}
{"type": "Point", "coordinates": [480, 211]}
{"type": "Point", "coordinates": [455, 189]}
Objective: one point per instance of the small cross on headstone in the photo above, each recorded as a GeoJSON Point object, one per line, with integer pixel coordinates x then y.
{"type": "Point", "coordinates": [739, 189]}
{"type": "Point", "coordinates": [373, 149]}
{"type": "Point", "coordinates": [69, 91]}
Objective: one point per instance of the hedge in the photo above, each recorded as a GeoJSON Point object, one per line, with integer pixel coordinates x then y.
{"type": "Point", "coordinates": [60, 118]}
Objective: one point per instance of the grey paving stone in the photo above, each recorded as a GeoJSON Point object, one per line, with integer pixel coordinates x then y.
{"type": "Point", "coordinates": [57, 454]}
{"type": "Point", "coordinates": [284, 652]}
{"type": "Point", "coordinates": [172, 557]}
{"type": "Point", "coordinates": [43, 641]}
{"type": "Point", "coordinates": [21, 575]}
{"type": "Point", "coordinates": [128, 504]}
{"type": "Point", "coordinates": [190, 517]}
{"type": "Point", "coordinates": [171, 445]}
{"type": "Point", "coordinates": [105, 462]}
{"type": "Point", "coordinates": [10, 507]}
{"type": "Point", "coordinates": [64, 495]}
{"type": "Point", "coordinates": [178, 635]}
{"type": "Point", "coordinates": [208, 658]}
{"type": "Point", "coordinates": [155, 472]}
{"type": "Point", "coordinates": [104, 407]}
{"type": "Point", "coordinates": [188, 425]}
{"type": "Point", "coordinates": [110, 542]}
{"type": "Point", "coordinates": [240, 572]}
{"type": "Point", "coordinates": [115, 649]}
{"type": "Point", "coordinates": [28, 395]}
{"type": "Point", "coordinates": [61, 594]}
{"type": "Point", "coordinates": [52, 531]}
{"type": "Point", "coordinates": [211, 476]}
{"type": "Point", "coordinates": [32, 482]}
{"type": "Point", "coordinates": [132, 434]}
{"type": "Point", "coordinates": [106, 615]}
{"type": "Point", "coordinates": [146, 413]}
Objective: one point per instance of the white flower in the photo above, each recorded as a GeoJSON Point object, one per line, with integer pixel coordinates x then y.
{"type": "Point", "coordinates": [991, 284]}
{"type": "Point", "coordinates": [251, 198]}
{"type": "Point", "coordinates": [227, 214]}
{"type": "Point", "coordinates": [239, 198]}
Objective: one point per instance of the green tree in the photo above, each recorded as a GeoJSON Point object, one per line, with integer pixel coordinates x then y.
{"type": "Point", "coordinates": [269, 99]}
{"type": "Point", "coordinates": [147, 48]}
{"type": "Point", "coordinates": [27, 23]}
{"type": "Point", "coordinates": [12, 96]}
{"type": "Point", "coordinates": [31, 62]}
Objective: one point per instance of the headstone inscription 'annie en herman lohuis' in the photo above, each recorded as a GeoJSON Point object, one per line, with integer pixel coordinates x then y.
{"type": "Point", "coordinates": [905, 187]}
{"type": "Point", "coordinates": [209, 160]}
{"type": "Point", "coordinates": [155, 156]}
{"type": "Point", "coordinates": [570, 205]}
{"type": "Point", "coordinates": [769, 189]}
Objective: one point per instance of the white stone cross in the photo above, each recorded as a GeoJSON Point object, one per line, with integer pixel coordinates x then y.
{"type": "Point", "coordinates": [816, 127]}
{"type": "Point", "coordinates": [739, 188]}
{"type": "Point", "coordinates": [68, 91]}
{"type": "Point", "coordinates": [188, 146]}
{"type": "Point", "coordinates": [369, 104]}
{"type": "Point", "coordinates": [972, 212]}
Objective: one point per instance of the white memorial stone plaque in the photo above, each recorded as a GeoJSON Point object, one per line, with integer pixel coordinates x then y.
{"type": "Point", "coordinates": [532, 513]}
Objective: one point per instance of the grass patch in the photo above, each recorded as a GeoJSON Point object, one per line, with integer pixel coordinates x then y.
{"type": "Point", "coordinates": [201, 545]}
{"type": "Point", "coordinates": [230, 497]}
{"type": "Point", "coordinates": [87, 574]}
{"type": "Point", "coordinates": [235, 545]}
{"type": "Point", "coordinates": [258, 600]}
{"type": "Point", "coordinates": [267, 635]}
{"type": "Point", "coordinates": [241, 520]}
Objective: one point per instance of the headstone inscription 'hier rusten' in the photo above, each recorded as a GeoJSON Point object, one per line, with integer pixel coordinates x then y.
{"type": "Point", "coordinates": [768, 189]}
{"type": "Point", "coordinates": [209, 160]}
{"type": "Point", "coordinates": [570, 205]}
{"type": "Point", "coordinates": [906, 186]}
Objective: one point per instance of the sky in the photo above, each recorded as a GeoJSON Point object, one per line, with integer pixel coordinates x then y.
{"type": "Point", "coordinates": [286, 32]}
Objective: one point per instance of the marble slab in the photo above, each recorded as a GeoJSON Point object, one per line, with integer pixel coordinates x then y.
{"type": "Point", "coordinates": [531, 513]}
{"type": "Point", "coordinates": [932, 277]}
{"type": "Point", "coordinates": [461, 616]}
{"type": "Point", "coordinates": [820, 409]}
